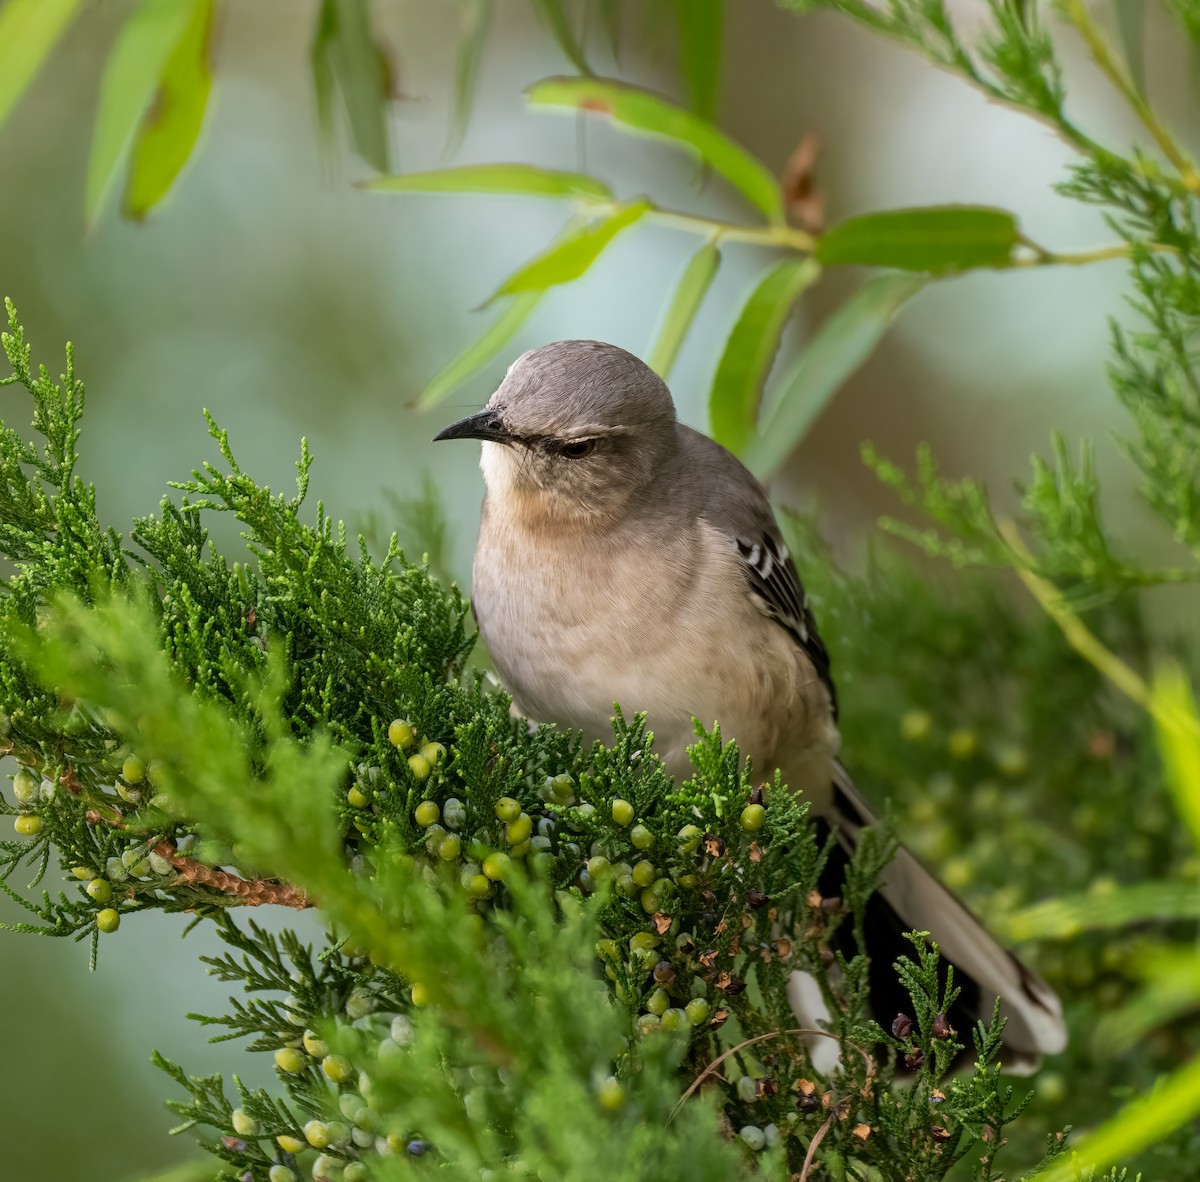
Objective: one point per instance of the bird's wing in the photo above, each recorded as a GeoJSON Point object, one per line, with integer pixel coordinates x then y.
{"type": "Point", "coordinates": [735, 503]}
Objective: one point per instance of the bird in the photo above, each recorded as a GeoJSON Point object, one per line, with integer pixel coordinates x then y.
{"type": "Point", "coordinates": [624, 557]}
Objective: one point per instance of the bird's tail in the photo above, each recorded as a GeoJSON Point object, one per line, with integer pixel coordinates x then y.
{"type": "Point", "coordinates": [909, 898]}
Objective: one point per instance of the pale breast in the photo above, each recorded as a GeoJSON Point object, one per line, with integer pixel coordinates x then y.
{"type": "Point", "coordinates": [663, 626]}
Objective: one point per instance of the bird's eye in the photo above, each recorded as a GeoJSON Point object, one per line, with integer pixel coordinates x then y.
{"type": "Point", "coordinates": [577, 449]}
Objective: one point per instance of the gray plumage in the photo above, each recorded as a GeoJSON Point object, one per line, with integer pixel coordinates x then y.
{"type": "Point", "coordinates": [624, 557]}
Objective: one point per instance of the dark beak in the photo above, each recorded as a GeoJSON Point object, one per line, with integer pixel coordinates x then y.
{"type": "Point", "coordinates": [485, 425]}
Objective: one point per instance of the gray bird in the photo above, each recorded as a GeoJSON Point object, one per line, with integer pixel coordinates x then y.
{"type": "Point", "coordinates": [624, 557]}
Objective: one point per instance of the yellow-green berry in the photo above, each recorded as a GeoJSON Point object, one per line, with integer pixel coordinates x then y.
{"type": "Point", "coordinates": [649, 1023]}
{"type": "Point", "coordinates": [420, 767]}
{"type": "Point", "coordinates": [108, 920]}
{"type": "Point", "coordinates": [83, 873]}
{"type": "Point", "coordinates": [651, 900]}
{"type": "Point", "coordinates": [519, 830]}
{"type": "Point", "coordinates": [25, 787]}
{"type": "Point", "coordinates": [643, 941]}
{"type": "Point", "coordinates": [496, 866]}
{"type": "Point", "coordinates": [356, 798]}
{"type": "Point", "coordinates": [355, 1171]}
{"type": "Point", "coordinates": [427, 812]}
{"type": "Point", "coordinates": [754, 817]}
{"type": "Point", "coordinates": [610, 1094]}
{"type": "Point", "coordinates": [623, 812]}
{"type": "Point", "coordinates": [290, 1144]}
{"type": "Point", "coordinates": [689, 839]}
{"type": "Point", "coordinates": [916, 726]}
{"type": "Point", "coordinates": [641, 837]}
{"type": "Point", "coordinates": [519, 851]}
{"type": "Point", "coordinates": [316, 1133]}
{"type": "Point", "coordinates": [658, 1002]}
{"type": "Point", "coordinates": [479, 886]}
{"type": "Point", "coordinates": [291, 1059]}
{"type": "Point", "coordinates": [133, 770]}
{"type": "Point", "coordinates": [99, 889]}
{"type": "Point", "coordinates": [401, 733]}
{"type": "Point", "coordinates": [674, 1019]}
{"type": "Point", "coordinates": [645, 873]}
{"type": "Point", "coordinates": [962, 743]}
{"type": "Point", "coordinates": [278, 1173]}
{"type": "Point", "coordinates": [507, 809]}
{"type": "Point", "coordinates": [698, 1010]}
{"type": "Point", "coordinates": [336, 1068]}
{"type": "Point", "coordinates": [434, 752]}
{"type": "Point", "coordinates": [450, 847]}
{"type": "Point", "coordinates": [28, 825]}
{"type": "Point", "coordinates": [420, 994]}
{"type": "Point", "coordinates": [243, 1123]}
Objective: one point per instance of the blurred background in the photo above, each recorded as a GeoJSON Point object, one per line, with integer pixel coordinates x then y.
{"type": "Point", "coordinates": [271, 291]}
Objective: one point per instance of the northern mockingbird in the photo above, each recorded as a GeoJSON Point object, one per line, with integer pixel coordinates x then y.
{"type": "Point", "coordinates": [624, 557]}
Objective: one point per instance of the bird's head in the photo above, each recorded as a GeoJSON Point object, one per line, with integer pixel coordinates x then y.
{"type": "Point", "coordinates": [576, 429]}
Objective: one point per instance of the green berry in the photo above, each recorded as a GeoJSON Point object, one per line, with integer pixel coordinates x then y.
{"type": "Point", "coordinates": [689, 839]}
{"type": "Point", "coordinates": [29, 825]}
{"type": "Point", "coordinates": [25, 787]}
{"type": "Point", "coordinates": [658, 1002]}
{"type": "Point", "coordinates": [698, 1011]}
{"type": "Point", "coordinates": [623, 812]}
{"type": "Point", "coordinates": [434, 752]}
{"type": "Point", "coordinates": [916, 726]}
{"type": "Point", "coordinates": [608, 950]}
{"type": "Point", "coordinates": [643, 942]}
{"type": "Point", "coordinates": [108, 920]}
{"type": "Point", "coordinates": [99, 889]}
{"type": "Point", "coordinates": [962, 743]}
{"type": "Point", "coordinates": [479, 886]}
{"type": "Point", "coordinates": [641, 837]}
{"type": "Point", "coordinates": [357, 799]}
{"type": "Point", "coordinates": [688, 882]}
{"type": "Point", "coordinates": [450, 847]}
{"type": "Point", "coordinates": [427, 812]}
{"type": "Point", "coordinates": [507, 809]}
{"type": "Point", "coordinates": [675, 1019]}
{"type": "Point", "coordinates": [747, 1089]}
{"type": "Point", "coordinates": [753, 1136]}
{"type": "Point", "coordinates": [291, 1060]}
{"type": "Point", "coordinates": [326, 1168]}
{"type": "Point", "coordinates": [83, 873]}
{"type": "Point", "coordinates": [649, 1023]}
{"type": "Point", "coordinates": [420, 767]}
{"type": "Point", "coordinates": [754, 817]}
{"type": "Point", "coordinates": [519, 851]}
{"type": "Point", "coordinates": [401, 733]}
{"type": "Point", "coordinates": [316, 1133]}
{"type": "Point", "coordinates": [519, 830]}
{"type": "Point", "coordinates": [651, 900]}
{"type": "Point", "coordinates": [645, 873]}
{"type": "Point", "coordinates": [337, 1068]}
{"type": "Point", "coordinates": [355, 1171]}
{"type": "Point", "coordinates": [290, 1144]}
{"type": "Point", "coordinates": [314, 1045]}
{"type": "Point", "coordinates": [599, 868]}
{"type": "Point", "coordinates": [133, 770]}
{"type": "Point", "coordinates": [281, 1173]}
{"type": "Point", "coordinates": [610, 1094]}
{"type": "Point", "coordinates": [420, 994]}
{"type": "Point", "coordinates": [243, 1124]}
{"type": "Point", "coordinates": [496, 866]}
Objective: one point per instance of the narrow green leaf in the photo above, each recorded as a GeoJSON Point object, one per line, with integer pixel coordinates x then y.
{"type": "Point", "coordinates": [700, 39]}
{"type": "Point", "coordinates": [1065, 917]}
{"type": "Point", "coordinates": [481, 351]}
{"type": "Point", "coordinates": [29, 31]}
{"type": "Point", "coordinates": [1178, 723]}
{"type": "Point", "coordinates": [324, 32]}
{"type": "Point", "coordinates": [644, 113]}
{"type": "Point", "coordinates": [521, 179]}
{"type": "Point", "coordinates": [172, 126]}
{"type": "Point", "coordinates": [363, 76]}
{"type": "Point", "coordinates": [935, 239]}
{"type": "Point", "coordinates": [1141, 1122]}
{"type": "Point", "coordinates": [571, 255]}
{"type": "Point", "coordinates": [750, 351]}
{"type": "Point", "coordinates": [837, 349]}
{"type": "Point", "coordinates": [610, 18]}
{"type": "Point", "coordinates": [131, 76]}
{"type": "Point", "coordinates": [1131, 29]}
{"type": "Point", "coordinates": [475, 18]}
{"type": "Point", "coordinates": [690, 291]}
{"type": "Point", "coordinates": [554, 16]}
{"type": "Point", "coordinates": [1170, 979]}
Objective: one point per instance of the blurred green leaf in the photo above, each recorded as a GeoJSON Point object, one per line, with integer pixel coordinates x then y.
{"type": "Point", "coordinates": [475, 18]}
{"type": "Point", "coordinates": [554, 16]}
{"type": "Point", "coordinates": [690, 291]}
{"type": "Point", "coordinates": [834, 352]}
{"type": "Point", "coordinates": [936, 239]}
{"type": "Point", "coordinates": [132, 74]}
{"type": "Point", "coordinates": [189, 1171]}
{"type": "Point", "coordinates": [572, 254]}
{"type": "Point", "coordinates": [1132, 31]}
{"type": "Point", "coordinates": [750, 351]}
{"type": "Point", "coordinates": [521, 179]}
{"type": "Point", "coordinates": [345, 54]}
{"type": "Point", "coordinates": [172, 126]}
{"type": "Point", "coordinates": [610, 17]}
{"type": "Point", "coordinates": [481, 351]}
{"type": "Point", "coordinates": [1174, 708]}
{"type": "Point", "coordinates": [1063, 918]}
{"type": "Point", "coordinates": [645, 113]}
{"type": "Point", "coordinates": [1171, 989]}
{"type": "Point", "coordinates": [29, 31]}
{"type": "Point", "coordinates": [700, 40]}
{"type": "Point", "coordinates": [1167, 1107]}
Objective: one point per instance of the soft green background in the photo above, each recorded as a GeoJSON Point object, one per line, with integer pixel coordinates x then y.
{"type": "Point", "coordinates": [272, 292]}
